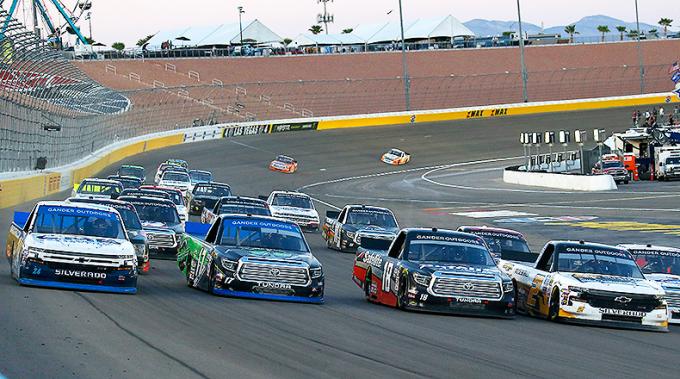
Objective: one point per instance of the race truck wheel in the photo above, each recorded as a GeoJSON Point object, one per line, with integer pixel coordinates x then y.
{"type": "Point", "coordinates": [401, 293]}
{"type": "Point", "coordinates": [554, 307]}
{"type": "Point", "coordinates": [367, 285]}
{"type": "Point", "coordinates": [191, 271]}
{"type": "Point", "coordinates": [516, 295]}
{"type": "Point", "coordinates": [211, 278]}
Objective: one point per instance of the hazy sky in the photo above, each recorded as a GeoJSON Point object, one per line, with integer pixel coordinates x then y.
{"type": "Point", "coordinates": [129, 20]}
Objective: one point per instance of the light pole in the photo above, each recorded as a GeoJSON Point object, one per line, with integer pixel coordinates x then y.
{"type": "Point", "coordinates": [240, 25]}
{"type": "Point", "coordinates": [404, 64]}
{"type": "Point", "coordinates": [525, 76]}
{"type": "Point", "coordinates": [89, 21]}
{"type": "Point", "coordinates": [639, 50]}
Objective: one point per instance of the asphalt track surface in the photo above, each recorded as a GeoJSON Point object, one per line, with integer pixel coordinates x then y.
{"type": "Point", "coordinates": [171, 331]}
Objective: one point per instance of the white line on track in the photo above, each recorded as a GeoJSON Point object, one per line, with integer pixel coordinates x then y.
{"type": "Point", "coordinates": [251, 147]}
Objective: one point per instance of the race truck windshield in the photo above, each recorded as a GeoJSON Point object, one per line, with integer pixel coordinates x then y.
{"type": "Point", "coordinates": [263, 234]}
{"type": "Point", "coordinates": [156, 212]}
{"type": "Point", "coordinates": [130, 218]}
{"type": "Point", "coordinates": [283, 159]}
{"type": "Point", "coordinates": [176, 177]}
{"type": "Point", "coordinates": [176, 197]}
{"type": "Point", "coordinates": [612, 164]}
{"type": "Point", "coordinates": [128, 183]}
{"type": "Point", "coordinates": [242, 209]}
{"type": "Point", "coordinates": [605, 263]}
{"type": "Point", "coordinates": [212, 191]}
{"type": "Point", "coordinates": [394, 152]}
{"type": "Point", "coordinates": [448, 252]}
{"type": "Point", "coordinates": [137, 172]}
{"type": "Point", "coordinates": [371, 217]}
{"type": "Point", "coordinates": [96, 188]}
{"type": "Point", "coordinates": [78, 221]}
{"type": "Point", "coordinates": [499, 244]}
{"type": "Point", "coordinates": [200, 176]}
{"type": "Point", "coordinates": [292, 201]}
{"type": "Point", "coordinates": [658, 262]}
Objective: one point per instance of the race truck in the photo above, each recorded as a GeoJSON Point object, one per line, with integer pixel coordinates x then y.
{"type": "Point", "coordinates": [167, 167]}
{"type": "Point", "coordinates": [284, 164]}
{"type": "Point", "coordinates": [343, 230]}
{"type": "Point", "coordinates": [434, 270]}
{"type": "Point", "coordinates": [131, 170]}
{"type": "Point", "coordinates": [662, 265]}
{"type": "Point", "coordinates": [395, 157]}
{"type": "Point", "coordinates": [199, 176]}
{"type": "Point", "coordinates": [176, 196]}
{"type": "Point", "coordinates": [132, 224]}
{"type": "Point", "coordinates": [296, 207]}
{"type": "Point", "coordinates": [126, 181]}
{"type": "Point", "coordinates": [503, 243]}
{"type": "Point", "coordinates": [97, 188]}
{"type": "Point", "coordinates": [235, 205]}
{"type": "Point", "coordinates": [613, 167]}
{"type": "Point", "coordinates": [73, 246]}
{"type": "Point", "coordinates": [161, 224]}
{"type": "Point", "coordinates": [255, 257]}
{"type": "Point", "coordinates": [588, 283]}
{"type": "Point", "coordinates": [206, 195]}
{"type": "Point", "coordinates": [175, 179]}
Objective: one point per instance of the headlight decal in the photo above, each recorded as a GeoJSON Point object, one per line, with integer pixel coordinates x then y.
{"type": "Point", "coordinates": [315, 272]}
{"type": "Point", "coordinates": [423, 280]}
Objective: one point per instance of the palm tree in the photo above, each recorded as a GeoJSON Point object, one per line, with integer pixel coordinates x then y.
{"type": "Point", "coordinates": [604, 29]}
{"type": "Point", "coordinates": [347, 31]}
{"type": "Point", "coordinates": [118, 46]}
{"type": "Point", "coordinates": [287, 41]}
{"type": "Point", "coordinates": [571, 30]}
{"type": "Point", "coordinates": [633, 34]}
{"type": "Point", "coordinates": [316, 29]}
{"type": "Point", "coordinates": [654, 33]}
{"type": "Point", "coordinates": [622, 30]}
{"type": "Point", "coordinates": [144, 40]}
{"type": "Point", "coordinates": [666, 23]}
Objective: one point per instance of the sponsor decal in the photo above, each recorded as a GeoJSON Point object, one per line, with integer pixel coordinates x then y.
{"type": "Point", "coordinates": [595, 251]}
{"type": "Point", "coordinates": [63, 238]}
{"type": "Point", "coordinates": [470, 300]}
{"type": "Point", "coordinates": [480, 113]}
{"type": "Point", "coordinates": [80, 274]}
{"type": "Point", "coordinates": [294, 127]}
{"type": "Point", "coordinates": [492, 234]}
{"type": "Point", "coordinates": [370, 211]}
{"type": "Point", "coordinates": [72, 211]}
{"type": "Point", "coordinates": [259, 224]}
{"type": "Point", "coordinates": [586, 278]}
{"type": "Point", "coordinates": [244, 130]}
{"type": "Point", "coordinates": [276, 286]}
{"type": "Point", "coordinates": [435, 237]}
{"type": "Point", "coordinates": [622, 312]}
{"type": "Point", "coordinates": [661, 253]}
{"type": "Point", "coordinates": [373, 260]}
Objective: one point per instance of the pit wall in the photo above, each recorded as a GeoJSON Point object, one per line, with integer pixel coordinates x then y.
{"type": "Point", "coordinates": [560, 181]}
{"type": "Point", "coordinates": [18, 188]}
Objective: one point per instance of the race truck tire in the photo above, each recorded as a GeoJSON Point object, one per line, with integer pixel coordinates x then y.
{"type": "Point", "coordinates": [516, 295]}
{"type": "Point", "coordinates": [191, 271]}
{"type": "Point", "coordinates": [401, 292]}
{"type": "Point", "coordinates": [211, 278]}
{"type": "Point", "coordinates": [367, 285]}
{"type": "Point", "coordinates": [554, 307]}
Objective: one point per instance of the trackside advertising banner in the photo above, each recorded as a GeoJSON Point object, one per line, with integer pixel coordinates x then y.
{"type": "Point", "coordinates": [249, 130]}
{"type": "Point", "coordinates": [294, 127]}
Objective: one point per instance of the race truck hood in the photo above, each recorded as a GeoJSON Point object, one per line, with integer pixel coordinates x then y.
{"type": "Point", "coordinates": [80, 244]}
{"type": "Point", "coordinates": [173, 184]}
{"type": "Point", "coordinates": [275, 209]}
{"type": "Point", "coordinates": [613, 283]}
{"type": "Point", "coordinates": [465, 271]}
{"type": "Point", "coordinates": [280, 165]}
{"type": "Point", "coordinates": [151, 225]}
{"type": "Point", "coordinates": [667, 281]}
{"type": "Point", "coordinates": [390, 157]}
{"type": "Point", "coordinates": [266, 254]}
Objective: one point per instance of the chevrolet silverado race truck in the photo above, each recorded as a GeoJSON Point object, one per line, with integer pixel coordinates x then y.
{"type": "Point", "coordinates": [296, 207]}
{"type": "Point", "coordinates": [73, 246]}
{"type": "Point", "coordinates": [588, 283]}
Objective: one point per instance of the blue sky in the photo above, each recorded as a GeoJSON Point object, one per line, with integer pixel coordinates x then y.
{"type": "Point", "coordinates": [129, 20]}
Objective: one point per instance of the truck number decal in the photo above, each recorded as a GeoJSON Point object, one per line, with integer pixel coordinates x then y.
{"type": "Point", "coordinates": [387, 276]}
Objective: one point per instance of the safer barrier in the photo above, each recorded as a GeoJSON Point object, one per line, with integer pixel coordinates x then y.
{"type": "Point", "coordinates": [18, 188]}
{"type": "Point", "coordinates": [512, 175]}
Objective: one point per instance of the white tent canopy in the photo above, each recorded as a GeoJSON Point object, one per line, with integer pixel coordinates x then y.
{"type": "Point", "coordinates": [225, 34]}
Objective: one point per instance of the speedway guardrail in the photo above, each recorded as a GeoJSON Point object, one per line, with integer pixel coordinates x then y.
{"type": "Point", "coordinates": [19, 187]}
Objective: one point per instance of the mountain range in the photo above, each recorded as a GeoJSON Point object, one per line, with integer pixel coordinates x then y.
{"type": "Point", "coordinates": [586, 26]}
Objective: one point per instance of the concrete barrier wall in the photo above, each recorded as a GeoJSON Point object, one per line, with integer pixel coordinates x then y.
{"type": "Point", "coordinates": [17, 188]}
{"type": "Point", "coordinates": [560, 181]}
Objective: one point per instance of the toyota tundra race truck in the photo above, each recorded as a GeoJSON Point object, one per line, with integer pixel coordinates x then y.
{"type": "Point", "coordinates": [588, 283]}
{"type": "Point", "coordinates": [255, 257]}
{"type": "Point", "coordinates": [73, 246]}
{"type": "Point", "coordinates": [434, 270]}
{"type": "Point", "coordinates": [343, 230]}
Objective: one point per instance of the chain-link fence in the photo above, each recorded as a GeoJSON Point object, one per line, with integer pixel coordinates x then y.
{"type": "Point", "coordinates": [50, 109]}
